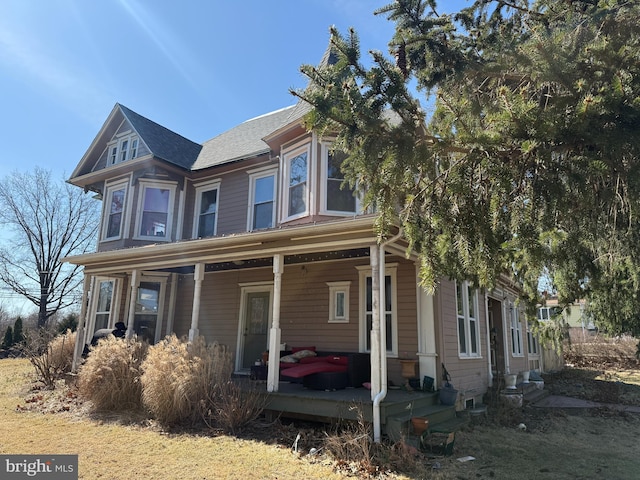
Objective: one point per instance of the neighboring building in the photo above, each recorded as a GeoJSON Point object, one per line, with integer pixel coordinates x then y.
{"type": "Point", "coordinates": [575, 316]}
{"type": "Point", "coordinates": [249, 240]}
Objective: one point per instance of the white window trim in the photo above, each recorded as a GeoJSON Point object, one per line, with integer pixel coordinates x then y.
{"type": "Point", "coordinates": [467, 321]}
{"type": "Point", "coordinates": [364, 272]}
{"type": "Point", "coordinates": [144, 184]}
{"type": "Point", "coordinates": [106, 207]}
{"type": "Point", "coordinates": [200, 189]}
{"type": "Point", "coordinates": [324, 178]}
{"type": "Point", "coordinates": [335, 289]}
{"type": "Point", "coordinates": [288, 155]}
{"type": "Point", "coordinates": [254, 176]}
{"type": "Point", "coordinates": [515, 326]}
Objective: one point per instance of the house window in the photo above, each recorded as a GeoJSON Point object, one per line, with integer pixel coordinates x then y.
{"type": "Point", "coordinates": [296, 174]}
{"type": "Point", "coordinates": [516, 332]}
{"type": "Point", "coordinates": [339, 302]}
{"type": "Point", "coordinates": [467, 316]}
{"type": "Point", "coordinates": [532, 342]}
{"type": "Point", "coordinates": [388, 316]}
{"type": "Point", "coordinates": [113, 154]}
{"type": "Point", "coordinates": [155, 212]}
{"type": "Point", "coordinates": [126, 148]}
{"type": "Point", "coordinates": [206, 212]}
{"type": "Point", "coordinates": [337, 198]}
{"type": "Point", "coordinates": [262, 201]}
{"type": "Point", "coordinates": [134, 148]}
{"type": "Point", "coordinates": [114, 210]}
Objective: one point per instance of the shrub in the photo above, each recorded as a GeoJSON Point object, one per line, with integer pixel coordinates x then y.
{"type": "Point", "coordinates": [110, 376]}
{"type": "Point", "coordinates": [7, 340]}
{"type": "Point", "coordinates": [38, 348]}
{"type": "Point", "coordinates": [180, 378]}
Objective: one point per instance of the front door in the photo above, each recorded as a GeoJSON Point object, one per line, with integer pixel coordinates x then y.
{"type": "Point", "coordinates": [496, 335]}
{"type": "Point", "coordinates": [255, 327]}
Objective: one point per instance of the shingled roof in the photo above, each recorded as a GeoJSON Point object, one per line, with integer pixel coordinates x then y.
{"type": "Point", "coordinates": [242, 141]}
{"type": "Point", "coordinates": [162, 142]}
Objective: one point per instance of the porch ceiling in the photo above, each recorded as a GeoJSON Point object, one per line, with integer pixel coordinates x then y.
{"type": "Point", "coordinates": [294, 242]}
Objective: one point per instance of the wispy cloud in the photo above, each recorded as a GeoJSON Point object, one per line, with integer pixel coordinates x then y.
{"type": "Point", "coordinates": [24, 57]}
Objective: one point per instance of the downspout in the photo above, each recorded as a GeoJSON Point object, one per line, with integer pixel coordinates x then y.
{"type": "Point", "coordinates": [377, 426]}
{"type": "Point", "coordinates": [486, 317]}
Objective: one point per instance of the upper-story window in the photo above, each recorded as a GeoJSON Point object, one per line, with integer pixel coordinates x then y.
{"type": "Point", "coordinates": [296, 185]}
{"type": "Point", "coordinates": [337, 199]}
{"type": "Point", "coordinates": [122, 149]}
{"type": "Point", "coordinates": [114, 209]}
{"type": "Point", "coordinates": [261, 203]}
{"type": "Point", "coordinates": [155, 210]}
{"type": "Point", "coordinates": [206, 213]}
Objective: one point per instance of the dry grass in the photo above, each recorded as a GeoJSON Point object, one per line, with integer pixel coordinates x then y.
{"type": "Point", "coordinates": [594, 445]}
{"type": "Point", "coordinates": [110, 376]}
{"type": "Point", "coordinates": [113, 451]}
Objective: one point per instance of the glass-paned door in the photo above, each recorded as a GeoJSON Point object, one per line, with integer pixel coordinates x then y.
{"type": "Point", "coordinates": [145, 321]}
{"type": "Point", "coordinates": [256, 327]}
{"type": "Point", "coordinates": [103, 306]}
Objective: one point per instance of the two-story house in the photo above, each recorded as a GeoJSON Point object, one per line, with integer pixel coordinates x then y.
{"type": "Point", "coordinates": [252, 240]}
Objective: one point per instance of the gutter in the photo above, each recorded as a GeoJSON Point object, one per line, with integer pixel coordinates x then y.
{"type": "Point", "coordinates": [382, 394]}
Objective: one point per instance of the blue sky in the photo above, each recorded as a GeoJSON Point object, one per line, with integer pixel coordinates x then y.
{"type": "Point", "coordinates": [196, 67]}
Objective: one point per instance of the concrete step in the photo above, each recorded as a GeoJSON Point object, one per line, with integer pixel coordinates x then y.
{"type": "Point", "coordinates": [535, 395]}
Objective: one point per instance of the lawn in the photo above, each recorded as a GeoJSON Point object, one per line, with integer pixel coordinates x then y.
{"type": "Point", "coordinates": [594, 445]}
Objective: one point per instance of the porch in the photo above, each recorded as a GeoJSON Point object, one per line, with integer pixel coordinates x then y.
{"type": "Point", "coordinates": [294, 401]}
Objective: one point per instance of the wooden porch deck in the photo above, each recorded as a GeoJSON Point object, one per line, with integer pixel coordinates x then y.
{"type": "Point", "coordinates": [295, 401]}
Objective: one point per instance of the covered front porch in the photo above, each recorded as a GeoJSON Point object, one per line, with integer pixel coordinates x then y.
{"type": "Point", "coordinates": [204, 287]}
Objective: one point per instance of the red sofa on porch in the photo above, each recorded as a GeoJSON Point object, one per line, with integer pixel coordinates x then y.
{"type": "Point", "coordinates": [325, 370]}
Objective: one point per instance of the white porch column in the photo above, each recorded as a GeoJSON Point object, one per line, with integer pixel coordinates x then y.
{"type": "Point", "coordinates": [133, 298]}
{"type": "Point", "coordinates": [376, 380]}
{"type": "Point", "coordinates": [273, 370]}
{"type": "Point", "coordinates": [427, 354]}
{"type": "Point", "coordinates": [80, 340]}
{"type": "Point", "coordinates": [198, 277]}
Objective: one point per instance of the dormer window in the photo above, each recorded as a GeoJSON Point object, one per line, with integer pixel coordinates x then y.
{"type": "Point", "coordinates": [123, 149]}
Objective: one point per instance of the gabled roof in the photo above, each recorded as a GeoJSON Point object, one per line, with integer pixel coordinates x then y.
{"type": "Point", "coordinates": [243, 141]}
{"type": "Point", "coordinates": [162, 142]}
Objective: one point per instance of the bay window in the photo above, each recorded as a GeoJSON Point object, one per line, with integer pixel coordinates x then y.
{"type": "Point", "coordinates": [262, 192]}
{"type": "Point", "coordinates": [206, 212]}
{"type": "Point", "coordinates": [114, 209]}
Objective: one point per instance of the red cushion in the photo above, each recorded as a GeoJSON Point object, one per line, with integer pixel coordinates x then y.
{"type": "Point", "coordinates": [284, 365]}
{"type": "Point", "coordinates": [312, 360]}
{"type": "Point", "coordinates": [337, 360]}
{"type": "Point", "coordinates": [300, 371]}
{"type": "Point", "coordinates": [297, 349]}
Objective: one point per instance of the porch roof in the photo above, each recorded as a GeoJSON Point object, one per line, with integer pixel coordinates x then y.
{"type": "Point", "coordinates": [357, 232]}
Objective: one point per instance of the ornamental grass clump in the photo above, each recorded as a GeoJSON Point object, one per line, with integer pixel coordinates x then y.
{"type": "Point", "coordinates": [61, 351]}
{"type": "Point", "coordinates": [110, 376]}
{"type": "Point", "coordinates": [181, 378]}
